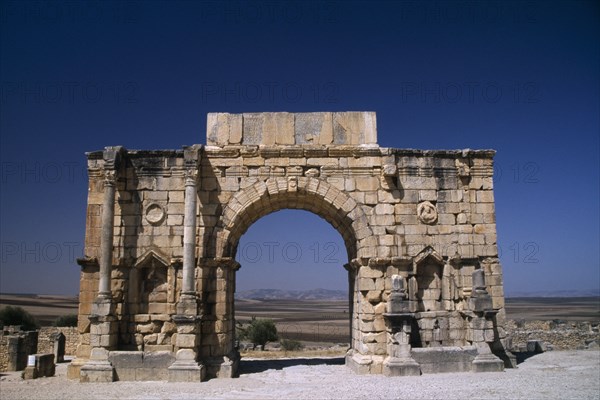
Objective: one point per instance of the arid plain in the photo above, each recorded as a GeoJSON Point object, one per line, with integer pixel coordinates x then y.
{"type": "Point", "coordinates": [324, 321]}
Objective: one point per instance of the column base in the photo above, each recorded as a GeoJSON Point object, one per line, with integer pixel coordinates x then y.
{"type": "Point", "coordinates": [223, 367]}
{"type": "Point", "coordinates": [97, 371]}
{"type": "Point", "coordinates": [187, 305]}
{"type": "Point", "coordinates": [359, 363]}
{"type": "Point", "coordinates": [98, 368]}
{"type": "Point", "coordinates": [186, 371]}
{"type": "Point", "coordinates": [186, 368]}
{"type": "Point", "coordinates": [103, 306]}
{"type": "Point", "coordinates": [401, 367]}
{"type": "Point", "coordinates": [487, 363]}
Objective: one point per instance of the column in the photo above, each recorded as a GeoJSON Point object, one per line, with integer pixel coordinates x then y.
{"type": "Point", "coordinates": [186, 367]}
{"type": "Point", "coordinates": [106, 240]}
{"type": "Point", "coordinates": [189, 235]}
{"type": "Point", "coordinates": [103, 304]}
{"type": "Point", "coordinates": [103, 321]}
{"type": "Point", "coordinates": [188, 303]}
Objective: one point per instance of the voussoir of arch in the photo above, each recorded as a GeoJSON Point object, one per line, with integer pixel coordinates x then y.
{"type": "Point", "coordinates": [306, 193]}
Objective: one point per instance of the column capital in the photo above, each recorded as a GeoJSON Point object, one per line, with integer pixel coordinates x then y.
{"type": "Point", "coordinates": [191, 177]}
{"type": "Point", "coordinates": [191, 154]}
{"type": "Point", "coordinates": [191, 160]}
{"type": "Point", "coordinates": [110, 177]}
{"type": "Point", "coordinates": [112, 156]}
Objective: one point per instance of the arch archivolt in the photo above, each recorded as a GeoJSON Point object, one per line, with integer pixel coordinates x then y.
{"type": "Point", "coordinates": [306, 193]}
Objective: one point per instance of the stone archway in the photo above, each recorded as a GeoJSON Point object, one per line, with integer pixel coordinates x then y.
{"type": "Point", "coordinates": [305, 193]}
{"type": "Point", "coordinates": [419, 229]}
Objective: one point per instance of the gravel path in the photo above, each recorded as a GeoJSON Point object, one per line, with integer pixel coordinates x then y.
{"type": "Point", "coordinates": [551, 375]}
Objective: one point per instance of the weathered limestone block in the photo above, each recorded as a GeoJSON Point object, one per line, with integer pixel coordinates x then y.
{"type": "Point", "coordinates": [278, 128]}
{"type": "Point", "coordinates": [252, 129]}
{"type": "Point", "coordinates": [341, 128]}
{"type": "Point", "coordinates": [354, 128]}
{"type": "Point", "coordinates": [39, 365]}
{"type": "Point", "coordinates": [365, 284]}
{"type": "Point", "coordinates": [314, 128]}
{"type": "Point", "coordinates": [223, 128]}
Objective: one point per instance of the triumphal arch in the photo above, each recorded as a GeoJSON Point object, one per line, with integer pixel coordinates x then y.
{"type": "Point", "coordinates": [163, 226]}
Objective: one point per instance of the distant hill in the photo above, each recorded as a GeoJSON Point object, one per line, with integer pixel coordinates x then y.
{"type": "Point", "coordinates": [556, 293]}
{"type": "Point", "coordinates": [326, 294]}
{"type": "Point", "coordinates": [278, 294]}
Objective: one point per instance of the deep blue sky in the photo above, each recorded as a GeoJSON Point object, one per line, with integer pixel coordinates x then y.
{"type": "Point", "coordinates": [518, 77]}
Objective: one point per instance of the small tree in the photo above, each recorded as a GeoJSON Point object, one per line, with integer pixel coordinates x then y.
{"type": "Point", "coordinates": [17, 316]}
{"type": "Point", "coordinates": [291, 345]}
{"type": "Point", "coordinates": [259, 332]}
{"type": "Point", "coordinates": [66, 320]}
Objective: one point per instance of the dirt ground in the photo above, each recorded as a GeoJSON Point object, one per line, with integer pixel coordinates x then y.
{"type": "Point", "coordinates": [551, 375]}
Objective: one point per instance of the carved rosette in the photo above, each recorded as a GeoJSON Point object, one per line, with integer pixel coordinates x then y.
{"type": "Point", "coordinates": [427, 213]}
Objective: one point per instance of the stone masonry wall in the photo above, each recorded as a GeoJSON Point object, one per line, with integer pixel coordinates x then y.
{"type": "Point", "coordinates": [46, 339]}
{"type": "Point", "coordinates": [27, 344]}
{"type": "Point", "coordinates": [45, 344]}
{"type": "Point", "coordinates": [558, 335]}
{"type": "Point", "coordinates": [3, 352]}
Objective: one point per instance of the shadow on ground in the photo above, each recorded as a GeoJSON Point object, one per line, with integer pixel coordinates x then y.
{"type": "Point", "coordinates": [524, 355]}
{"type": "Point", "coordinates": [254, 366]}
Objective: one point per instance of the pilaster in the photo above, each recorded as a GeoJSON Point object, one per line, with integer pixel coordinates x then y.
{"type": "Point", "coordinates": [482, 325]}
{"type": "Point", "coordinates": [187, 367]}
{"type": "Point", "coordinates": [399, 319]}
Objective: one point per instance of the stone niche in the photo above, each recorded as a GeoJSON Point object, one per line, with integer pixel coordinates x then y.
{"type": "Point", "coordinates": [151, 303]}
{"type": "Point", "coordinates": [162, 229]}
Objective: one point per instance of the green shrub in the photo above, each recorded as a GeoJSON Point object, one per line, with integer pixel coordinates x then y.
{"type": "Point", "coordinates": [66, 320]}
{"type": "Point", "coordinates": [259, 332]}
{"type": "Point", "coordinates": [17, 316]}
{"type": "Point", "coordinates": [291, 345]}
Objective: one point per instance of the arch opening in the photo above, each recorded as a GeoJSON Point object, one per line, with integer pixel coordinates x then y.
{"type": "Point", "coordinates": [293, 277]}
{"type": "Point", "coordinates": [219, 267]}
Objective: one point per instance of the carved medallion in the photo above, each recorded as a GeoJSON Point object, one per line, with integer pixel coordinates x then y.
{"type": "Point", "coordinates": [293, 184]}
{"type": "Point", "coordinates": [427, 213]}
{"type": "Point", "coordinates": [155, 214]}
